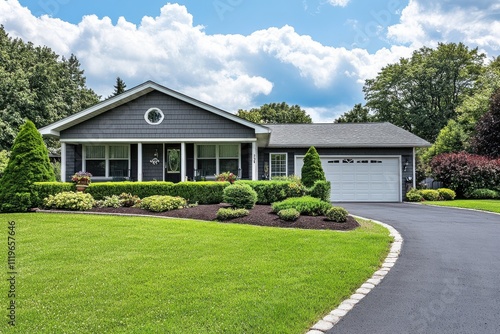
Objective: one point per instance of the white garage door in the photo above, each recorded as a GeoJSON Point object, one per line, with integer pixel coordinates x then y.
{"type": "Point", "coordinates": [361, 179]}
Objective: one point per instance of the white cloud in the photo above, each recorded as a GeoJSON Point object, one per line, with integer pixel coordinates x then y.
{"type": "Point", "coordinates": [427, 23]}
{"type": "Point", "coordinates": [339, 3]}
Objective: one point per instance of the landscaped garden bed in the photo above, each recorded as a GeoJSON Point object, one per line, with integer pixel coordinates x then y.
{"type": "Point", "coordinates": [260, 215]}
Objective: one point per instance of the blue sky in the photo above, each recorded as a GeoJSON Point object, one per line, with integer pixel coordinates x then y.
{"type": "Point", "coordinates": [241, 54]}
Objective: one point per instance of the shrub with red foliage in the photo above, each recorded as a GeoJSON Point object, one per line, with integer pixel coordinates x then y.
{"type": "Point", "coordinates": [464, 172]}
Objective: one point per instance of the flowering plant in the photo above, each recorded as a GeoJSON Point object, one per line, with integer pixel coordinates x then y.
{"type": "Point", "coordinates": [81, 177]}
{"type": "Point", "coordinates": [227, 176]}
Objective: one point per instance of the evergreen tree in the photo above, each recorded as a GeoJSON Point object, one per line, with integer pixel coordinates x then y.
{"type": "Point", "coordinates": [28, 163]}
{"type": "Point", "coordinates": [312, 170]}
{"type": "Point", "coordinates": [119, 87]}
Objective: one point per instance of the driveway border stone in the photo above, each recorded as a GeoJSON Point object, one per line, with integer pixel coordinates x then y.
{"type": "Point", "coordinates": [337, 314]}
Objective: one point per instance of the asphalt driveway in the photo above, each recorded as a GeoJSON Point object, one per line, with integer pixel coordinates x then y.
{"type": "Point", "coordinates": [447, 279]}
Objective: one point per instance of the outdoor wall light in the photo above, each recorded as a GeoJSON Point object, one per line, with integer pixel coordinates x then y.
{"type": "Point", "coordinates": [405, 165]}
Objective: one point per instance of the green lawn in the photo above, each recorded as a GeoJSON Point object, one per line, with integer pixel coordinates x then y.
{"type": "Point", "coordinates": [104, 274]}
{"type": "Point", "coordinates": [478, 204]}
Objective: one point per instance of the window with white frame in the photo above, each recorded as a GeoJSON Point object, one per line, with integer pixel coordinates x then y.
{"type": "Point", "coordinates": [278, 165]}
{"type": "Point", "coordinates": [107, 160]}
{"type": "Point", "coordinates": [214, 159]}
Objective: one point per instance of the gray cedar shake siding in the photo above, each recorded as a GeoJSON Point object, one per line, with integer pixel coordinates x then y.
{"type": "Point", "coordinates": [182, 121]}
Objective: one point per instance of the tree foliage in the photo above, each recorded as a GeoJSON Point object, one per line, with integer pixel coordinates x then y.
{"type": "Point", "coordinates": [358, 114]}
{"type": "Point", "coordinates": [486, 140]}
{"type": "Point", "coordinates": [422, 93]}
{"type": "Point", "coordinates": [28, 163]}
{"type": "Point", "coordinates": [312, 170]}
{"type": "Point", "coordinates": [36, 84]}
{"type": "Point", "coordinates": [451, 138]}
{"type": "Point", "coordinates": [119, 86]}
{"type": "Point", "coordinates": [275, 113]}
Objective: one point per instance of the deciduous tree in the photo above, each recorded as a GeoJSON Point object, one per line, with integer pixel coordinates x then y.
{"type": "Point", "coordinates": [275, 113]}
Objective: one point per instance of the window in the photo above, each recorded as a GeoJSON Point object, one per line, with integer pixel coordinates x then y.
{"type": "Point", "coordinates": [118, 161]}
{"type": "Point", "coordinates": [95, 158]}
{"type": "Point", "coordinates": [215, 159]}
{"type": "Point", "coordinates": [107, 161]}
{"type": "Point", "coordinates": [278, 164]}
{"type": "Point", "coordinates": [154, 116]}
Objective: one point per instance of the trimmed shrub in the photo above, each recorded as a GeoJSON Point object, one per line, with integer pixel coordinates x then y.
{"type": "Point", "coordinates": [464, 172]}
{"type": "Point", "coordinates": [112, 201]}
{"type": "Point", "coordinates": [240, 196]}
{"type": "Point", "coordinates": [446, 194]}
{"type": "Point", "coordinates": [141, 189]}
{"type": "Point", "coordinates": [68, 200]}
{"type": "Point", "coordinates": [231, 213]}
{"type": "Point", "coordinates": [321, 190]}
{"type": "Point", "coordinates": [206, 192]}
{"type": "Point", "coordinates": [193, 192]}
{"type": "Point", "coordinates": [414, 196]}
{"type": "Point", "coordinates": [483, 194]}
{"type": "Point", "coordinates": [273, 191]}
{"type": "Point", "coordinates": [306, 205]}
{"type": "Point", "coordinates": [289, 214]}
{"type": "Point", "coordinates": [312, 170]}
{"type": "Point", "coordinates": [28, 163]}
{"type": "Point", "coordinates": [430, 194]}
{"type": "Point", "coordinates": [42, 190]}
{"type": "Point", "coordinates": [161, 203]}
{"type": "Point", "coordinates": [337, 214]}
{"type": "Point", "coordinates": [128, 200]}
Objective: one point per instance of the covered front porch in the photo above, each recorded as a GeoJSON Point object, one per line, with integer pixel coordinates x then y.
{"type": "Point", "coordinates": [160, 160]}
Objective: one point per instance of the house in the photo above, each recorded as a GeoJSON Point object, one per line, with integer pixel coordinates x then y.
{"type": "Point", "coordinates": [151, 132]}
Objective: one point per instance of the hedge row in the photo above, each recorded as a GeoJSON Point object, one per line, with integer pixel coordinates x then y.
{"type": "Point", "coordinates": [194, 192]}
{"type": "Point", "coordinates": [43, 190]}
{"type": "Point", "coordinates": [269, 192]}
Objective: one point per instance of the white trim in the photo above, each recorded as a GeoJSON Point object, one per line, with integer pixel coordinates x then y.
{"type": "Point", "coordinates": [63, 162]}
{"type": "Point", "coordinates": [183, 162]}
{"type": "Point", "coordinates": [84, 161]}
{"type": "Point", "coordinates": [159, 140]}
{"type": "Point", "coordinates": [271, 165]}
{"type": "Point", "coordinates": [134, 93]}
{"type": "Point", "coordinates": [414, 170]}
{"type": "Point", "coordinates": [139, 162]}
{"type": "Point", "coordinates": [164, 162]}
{"type": "Point", "coordinates": [146, 114]}
{"type": "Point", "coordinates": [255, 162]}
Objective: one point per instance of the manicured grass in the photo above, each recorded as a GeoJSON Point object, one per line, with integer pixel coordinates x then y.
{"type": "Point", "coordinates": [478, 204]}
{"type": "Point", "coordinates": [105, 274]}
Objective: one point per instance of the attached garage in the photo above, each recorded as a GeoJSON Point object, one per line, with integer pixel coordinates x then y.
{"type": "Point", "coordinates": [361, 179]}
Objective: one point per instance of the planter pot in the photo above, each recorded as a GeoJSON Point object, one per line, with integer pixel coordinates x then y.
{"type": "Point", "coordinates": [81, 187]}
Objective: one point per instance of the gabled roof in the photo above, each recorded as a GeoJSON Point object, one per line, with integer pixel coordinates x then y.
{"type": "Point", "coordinates": [342, 135]}
{"type": "Point", "coordinates": [132, 94]}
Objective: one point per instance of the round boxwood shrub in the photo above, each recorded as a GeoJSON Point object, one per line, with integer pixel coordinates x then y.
{"type": "Point", "coordinates": [337, 214]}
{"type": "Point", "coordinates": [446, 194]}
{"type": "Point", "coordinates": [69, 200]}
{"type": "Point", "coordinates": [159, 203]}
{"type": "Point", "coordinates": [231, 213]}
{"type": "Point", "coordinates": [414, 196]}
{"type": "Point", "coordinates": [240, 196]}
{"type": "Point", "coordinates": [289, 214]}
{"type": "Point", "coordinates": [430, 194]}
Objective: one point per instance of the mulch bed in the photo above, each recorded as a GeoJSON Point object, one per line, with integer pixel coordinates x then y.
{"type": "Point", "coordinates": [261, 215]}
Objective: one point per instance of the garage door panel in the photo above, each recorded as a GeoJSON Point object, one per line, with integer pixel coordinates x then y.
{"type": "Point", "coordinates": [362, 179]}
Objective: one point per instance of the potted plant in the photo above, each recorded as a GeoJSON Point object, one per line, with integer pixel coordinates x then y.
{"type": "Point", "coordinates": [82, 180]}
{"type": "Point", "coordinates": [227, 176]}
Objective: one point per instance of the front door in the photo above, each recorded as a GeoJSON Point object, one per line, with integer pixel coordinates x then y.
{"type": "Point", "coordinates": [173, 162]}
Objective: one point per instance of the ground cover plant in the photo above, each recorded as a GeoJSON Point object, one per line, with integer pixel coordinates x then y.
{"type": "Point", "coordinates": [478, 204]}
{"type": "Point", "coordinates": [84, 273]}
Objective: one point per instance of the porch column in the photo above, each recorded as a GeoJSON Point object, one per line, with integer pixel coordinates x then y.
{"type": "Point", "coordinates": [414, 171]}
{"type": "Point", "coordinates": [63, 162]}
{"type": "Point", "coordinates": [183, 162]}
{"type": "Point", "coordinates": [139, 162]}
{"type": "Point", "coordinates": [255, 162]}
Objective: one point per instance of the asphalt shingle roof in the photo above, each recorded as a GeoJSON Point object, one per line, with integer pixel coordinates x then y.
{"type": "Point", "coordinates": [342, 135]}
